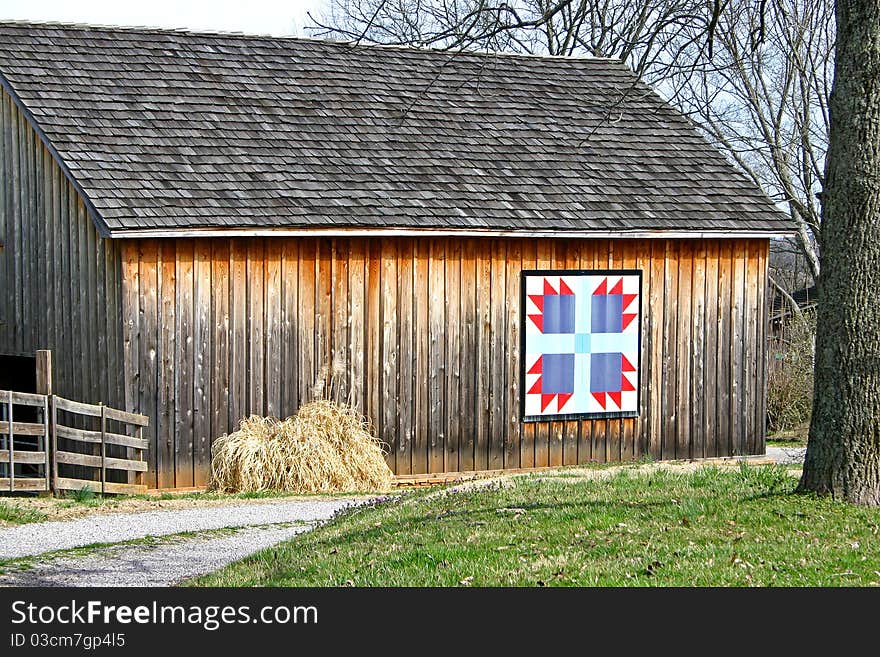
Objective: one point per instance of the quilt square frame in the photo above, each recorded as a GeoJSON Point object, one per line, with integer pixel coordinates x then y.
{"type": "Point", "coordinates": [578, 344]}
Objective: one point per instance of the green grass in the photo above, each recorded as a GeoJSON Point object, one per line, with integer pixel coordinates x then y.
{"type": "Point", "coordinates": [16, 515]}
{"type": "Point", "coordinates": [713, 527]}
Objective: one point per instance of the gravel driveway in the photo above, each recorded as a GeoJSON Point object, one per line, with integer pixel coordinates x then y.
{"type": "Point", "coordinates": [165, 564]}
{"type": "Point", "coordinates": [161, 564]}
{"type": "Point", "coordinates": [37, 538]}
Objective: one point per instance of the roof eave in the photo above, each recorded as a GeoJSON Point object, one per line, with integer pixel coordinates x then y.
{"type": "Point", "coordinates": [141, 233]}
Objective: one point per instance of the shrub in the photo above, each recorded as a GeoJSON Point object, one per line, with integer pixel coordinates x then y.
{"type": "Point", "coordinates": [790, 380]}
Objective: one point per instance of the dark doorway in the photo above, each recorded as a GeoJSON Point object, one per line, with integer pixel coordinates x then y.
{"type": "Point", "coordinates": [18, 373]}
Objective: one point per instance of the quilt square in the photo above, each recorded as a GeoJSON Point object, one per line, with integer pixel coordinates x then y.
{"type": "Point", "coordinates": [580, 343]}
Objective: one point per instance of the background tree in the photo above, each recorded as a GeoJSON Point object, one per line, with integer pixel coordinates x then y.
{"type": "Point", "coordinates": [843, 453]}
{"type": "Point", "coordinates": [762, 98]}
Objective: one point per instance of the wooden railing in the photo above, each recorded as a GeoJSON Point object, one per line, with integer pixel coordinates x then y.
{"type": "Point", "coordinates": [36, 453]}
{"type": "Point", "coordinates": [54, 441]}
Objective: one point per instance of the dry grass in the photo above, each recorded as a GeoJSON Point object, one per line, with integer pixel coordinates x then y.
{"type": "Point", "coordinates": [325, 447]}
{"type": "Point", "coordinates": [790, 381]}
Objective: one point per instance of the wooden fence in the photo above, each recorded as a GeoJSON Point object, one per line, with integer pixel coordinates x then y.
{"type": "Point", "coordinates": [35, 453]}
{"type": "Point", "coordinates": [68, 441]}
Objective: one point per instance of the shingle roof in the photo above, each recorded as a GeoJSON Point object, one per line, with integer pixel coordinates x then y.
{"type": "Point", "coordinates": [169, 130]}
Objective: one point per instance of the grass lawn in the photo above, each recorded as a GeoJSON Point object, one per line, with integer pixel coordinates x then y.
{"type": "Point", "coordinates": [708, 527]}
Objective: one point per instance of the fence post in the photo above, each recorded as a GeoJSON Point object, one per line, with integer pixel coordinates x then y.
{"type": "Point", "coordinates": [54, 412]}
{"type": "Point", "coordinates": [11, 436]}
{"type": "Point", "coordinates": [44, 387]}
{"type": "Point", "coordinates": [44, 372]}
{"type": "Point", "coordinates": [103, 447]}
{"type": "Point", "coordinates": [46, 440]}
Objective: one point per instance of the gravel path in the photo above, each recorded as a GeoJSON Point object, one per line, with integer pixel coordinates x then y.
{"type": "Point", "coordinates": [38, 538]}
{"type": "Point", "coordinates": [163, 564]}
{"type": "Point", "coordinates": [787, 455]}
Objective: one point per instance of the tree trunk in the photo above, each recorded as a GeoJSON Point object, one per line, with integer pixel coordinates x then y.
{"type": "Point", "coordinates": [843, 453]}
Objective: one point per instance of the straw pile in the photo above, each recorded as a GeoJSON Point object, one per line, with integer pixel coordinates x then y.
{"type": "Point", "coordinates": [325, 447]}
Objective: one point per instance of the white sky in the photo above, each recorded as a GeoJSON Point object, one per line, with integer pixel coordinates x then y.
{"type": "Point", "coordinates": [274, 17]}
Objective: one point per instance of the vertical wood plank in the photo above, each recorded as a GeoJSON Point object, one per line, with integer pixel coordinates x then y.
{"type": "Point", "coordinates": [751, 340]}
{"type": "Point", "coordinates": [737, 347]}
{"type": "Point", "coordinates": [324, 307]}
{"type": "Point", "coordinates": [202, 370]}
{"type": "Point", "coordinates": [723, 351]}
{"type": "Point", "coordinates": [453, 332]}
{"type": "Point", "coordinates": [422, 349]}
{"type": "Point", "coordinates": [373, 285]}
{"type": "Point", "coordinates": [513, 411]}
{"type": "Point", "coordinates": [669, 382]}
{"type": "Point", "coordinates": [6, 285]}
{"type": "Point", "coordinates": [290, 333]}
{"type": "Point", "coordinates": [83, 290]}
{"type": "Point", "coordinates": [131, 338]}
{"type": "Point", "coordinates": [221, 322]}
{"type": "Point", "coordinates": [469, 416]}
{"type": "Point", "coordinates": [149, 361]}
{"type": "Point", "coordinates": [183, 356]}
{"type": "Point", "coordinates": [254, 340]}
{"type": "Point", "coordinates": [168, 365]}
{"type": "Point", "coordinates": [763, 348]}
{"type": "Point", "coordinates": [406, 351]}
{"type": "Point", "coordinates": [629, 251]}
{"type": "Point", "coordinates": [698, 356]}
{"type": "Point", "coordinates": [307, 366]}
{"type": "Point", "coordinates": [389, 352]}
{"type": "Point", "coordinates": [498, 360]}
{"type": "Point", "coordinates": [238, 351]}
{"type": "Point", "coordinates": [273, 301]}
{"type": "Point", "coordinates": [655, 318]}
{"type": "Point", "coordinates": [93, 336]}
{"type": "Point", "coordinates": [437, 355]}
{"type": "Point", "coordinates": [15, 238]}
{"type": "Point", "coordinates": [483, 346]}
{"type": "Point", "coordinates": [358, 329]}
{"type": "Point", "coordinates": [684, 355]}
{"type": "Point", "coordinates": [710, 354]}
{"type": "Point", "coordinates": [340, 355]}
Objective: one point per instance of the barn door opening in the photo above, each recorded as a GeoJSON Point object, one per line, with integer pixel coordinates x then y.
{"type": "Point", "coordinates": [19, 374]}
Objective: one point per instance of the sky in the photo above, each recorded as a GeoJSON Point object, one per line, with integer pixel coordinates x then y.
{"type": "Point", "coordinates": [273, 17]}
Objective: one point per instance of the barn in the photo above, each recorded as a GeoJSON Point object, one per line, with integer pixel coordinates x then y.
{"type": "Point", "coordinates": [503, 261]}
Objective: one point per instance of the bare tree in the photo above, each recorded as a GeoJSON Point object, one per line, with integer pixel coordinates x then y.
{"type": "Point", "coordinates": [646, 34]}
{"type": "Point", "coordinates": [762, 97]}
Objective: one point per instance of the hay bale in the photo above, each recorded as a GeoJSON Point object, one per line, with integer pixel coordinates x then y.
{"type": "Point", "coordinates": [325, 447]}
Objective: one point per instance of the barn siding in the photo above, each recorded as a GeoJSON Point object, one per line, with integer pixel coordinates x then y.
{"type": "Point", "coordinates": [425, 333]}
{"type": "Point", "coordinates": [59, 280]}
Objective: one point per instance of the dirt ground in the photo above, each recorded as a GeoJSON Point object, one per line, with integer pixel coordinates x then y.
{"type": "Point", "coordinates": [66, 509]}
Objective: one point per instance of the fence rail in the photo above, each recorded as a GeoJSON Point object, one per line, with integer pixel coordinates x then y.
{"type": "Point", "coordinates": [33, 449]}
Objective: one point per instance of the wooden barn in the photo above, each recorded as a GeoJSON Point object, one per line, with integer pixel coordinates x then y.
{"type": "Point", "coordinates": [507, 261]}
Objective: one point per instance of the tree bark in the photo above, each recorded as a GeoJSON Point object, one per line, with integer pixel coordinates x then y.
{"type": "Point", "coordinates": [843, 453]}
